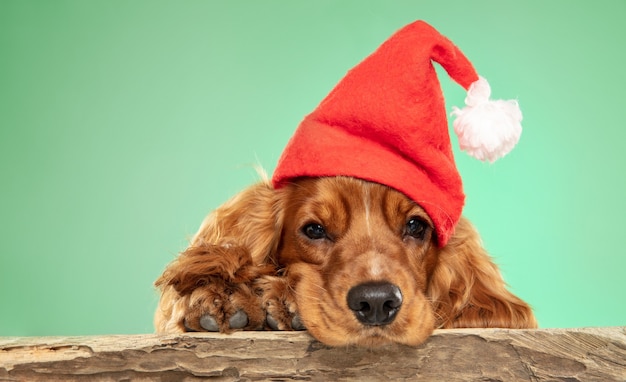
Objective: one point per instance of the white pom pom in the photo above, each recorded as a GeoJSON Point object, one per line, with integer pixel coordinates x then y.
{"type": "Point", "coordinates": [487, 129]}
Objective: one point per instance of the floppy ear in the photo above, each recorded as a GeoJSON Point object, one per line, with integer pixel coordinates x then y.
{"type": "Point", "coordinates": [467, 289]}
{"type": "Point", "coordinates": [233, 243]}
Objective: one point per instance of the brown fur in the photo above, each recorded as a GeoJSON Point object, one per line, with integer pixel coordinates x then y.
{"type": "Point", "coordinates": [251, 255]}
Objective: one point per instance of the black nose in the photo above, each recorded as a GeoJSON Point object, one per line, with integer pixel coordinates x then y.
{"type": "Point", "coordinates": [375, 303]}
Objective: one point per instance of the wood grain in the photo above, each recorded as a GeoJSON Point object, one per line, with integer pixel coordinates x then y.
{"type": "Point", "coordinates": [587, 354]}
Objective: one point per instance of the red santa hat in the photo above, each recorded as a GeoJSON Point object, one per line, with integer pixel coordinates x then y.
{"type": "Point", "coordinates": [385, 122]}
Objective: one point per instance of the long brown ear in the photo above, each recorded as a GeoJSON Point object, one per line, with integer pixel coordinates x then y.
{"type": "Point", "coordinates": [233, 243]}
{"type": "Point", "coordinates": [467, 289]}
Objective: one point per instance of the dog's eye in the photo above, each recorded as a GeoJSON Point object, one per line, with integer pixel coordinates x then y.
{"type": "Point", "coordinates": [314, 231]}
{"type": "Point", "coordinates": [416, 228]}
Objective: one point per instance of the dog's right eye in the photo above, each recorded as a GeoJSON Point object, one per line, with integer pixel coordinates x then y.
{"type": "Point", "coordinates": [416, 228]}
{"type": "Point", "coordinates": [314, 231]}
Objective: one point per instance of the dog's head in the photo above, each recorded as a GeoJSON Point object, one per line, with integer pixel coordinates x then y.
{"type": "Point", "coordinates": [360, 254]}
{"type": "Point", "coordinates": [367, 270]}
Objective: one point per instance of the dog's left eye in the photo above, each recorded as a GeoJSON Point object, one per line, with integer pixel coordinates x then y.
{"type": "Point", "coordinates": [314, 231]}
{"type": "Point", "coordinates": [416, 228]}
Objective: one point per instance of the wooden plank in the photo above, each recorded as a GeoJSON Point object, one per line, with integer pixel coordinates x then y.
{"type": "Point", "coordinates": [587, 354]}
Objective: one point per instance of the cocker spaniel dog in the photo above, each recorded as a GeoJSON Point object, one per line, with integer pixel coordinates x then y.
{"type": "Point", "coordinates": [353, 262]}
{"type": "Point", "coordinates": [359, 236]}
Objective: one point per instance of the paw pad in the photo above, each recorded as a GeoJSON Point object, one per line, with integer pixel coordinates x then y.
{"type": "Point", "coordinates": [296, 323]}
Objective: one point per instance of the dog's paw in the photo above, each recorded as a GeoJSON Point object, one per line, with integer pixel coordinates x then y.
{"type": "Point", "coordinates": [212, 288]}
{"type": "Point", "coordinates": [279, 303]}
{"type": "Point", "coordinates": [219, 289]}
{"type": "Point", "coordinates": [219, 307]}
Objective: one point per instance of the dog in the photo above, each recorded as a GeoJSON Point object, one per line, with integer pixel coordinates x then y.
{"type": "Point", "coordinates": [354, 262]}
{"type": "Point", "coordinates": [359, 235]}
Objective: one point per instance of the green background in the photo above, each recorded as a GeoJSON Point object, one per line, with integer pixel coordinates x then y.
{"type": "Point", "coordinates": [122, 123]}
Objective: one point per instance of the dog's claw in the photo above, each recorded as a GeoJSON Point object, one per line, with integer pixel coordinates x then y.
{"type": "Point", "coordinates": [238, 320]}
{"type": "Point", "coordinates": [209, 323]}
{"type": "Point", "coordinates": [296, 323]}
{"type": "Point", "coordinates": [271, 322]}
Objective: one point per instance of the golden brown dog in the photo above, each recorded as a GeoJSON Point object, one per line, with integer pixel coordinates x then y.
{"type": "Point", "coordinates": [353, 262]}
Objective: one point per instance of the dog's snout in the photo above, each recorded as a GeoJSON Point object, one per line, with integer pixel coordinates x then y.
{"type": "Point", "coordinates": [375, 303]}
